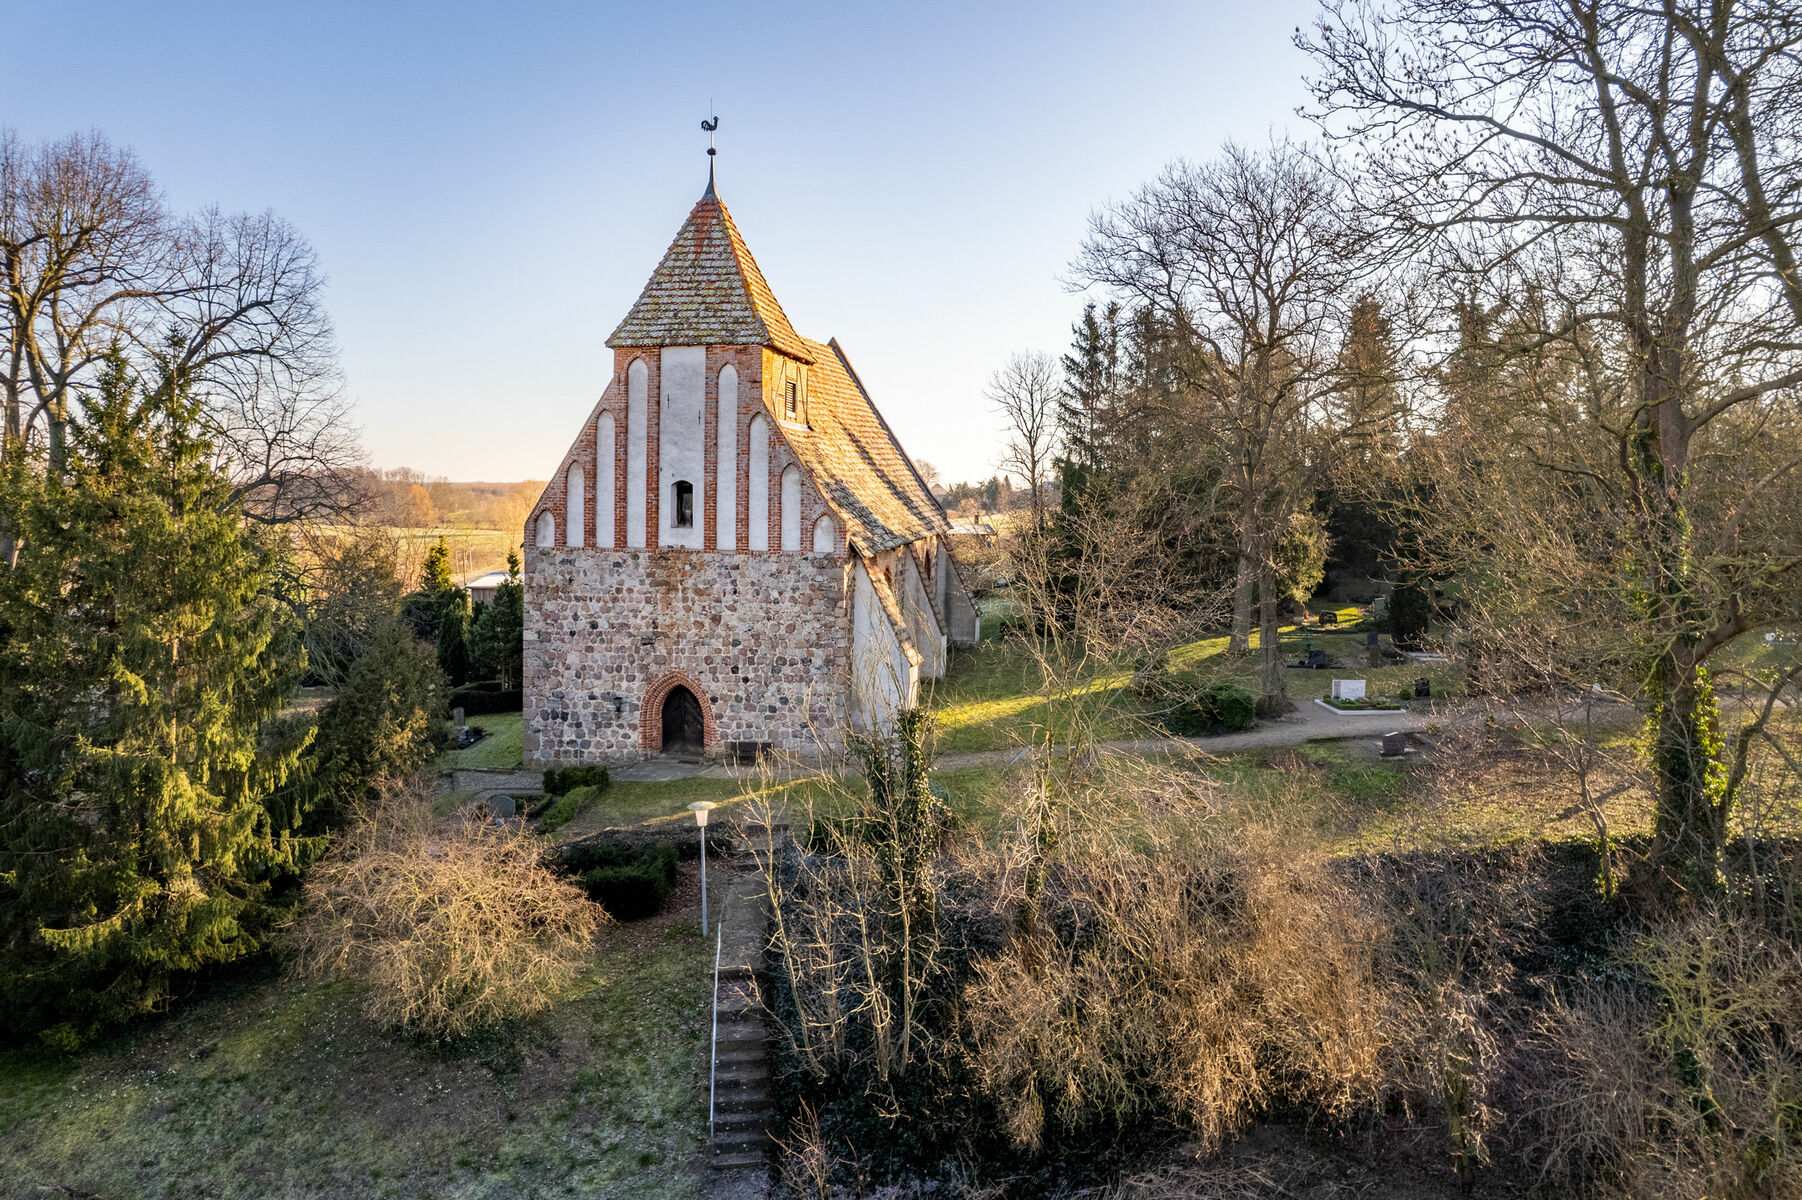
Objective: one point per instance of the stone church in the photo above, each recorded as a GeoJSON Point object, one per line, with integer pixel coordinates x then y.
{"type": "Point", "coordinates": [735, 552]}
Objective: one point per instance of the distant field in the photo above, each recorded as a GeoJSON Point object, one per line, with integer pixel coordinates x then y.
{"type": "Point", "coordinates": [473, 551]}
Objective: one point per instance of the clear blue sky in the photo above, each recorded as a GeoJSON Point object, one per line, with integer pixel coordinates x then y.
{"type": "Point", "coordinates": [489, 185]}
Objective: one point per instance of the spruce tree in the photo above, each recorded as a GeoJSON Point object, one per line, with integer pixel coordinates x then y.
{"type": "Point", "coordinates": [497, 642]}
{"type": "Point", "coordinates": [439, 612]}
{"type": "Point", "coordinates": [142, 660]}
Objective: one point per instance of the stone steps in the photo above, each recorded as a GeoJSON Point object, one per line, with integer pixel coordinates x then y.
{"type": "Point", "coordinates": [743, 1107]}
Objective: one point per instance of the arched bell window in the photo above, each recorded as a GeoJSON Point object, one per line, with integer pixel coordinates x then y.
{"type": "Point", "coordinates": [683, 504]}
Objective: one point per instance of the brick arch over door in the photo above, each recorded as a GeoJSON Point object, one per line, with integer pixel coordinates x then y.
{"type": "Point", "coordinates": [650, 714]}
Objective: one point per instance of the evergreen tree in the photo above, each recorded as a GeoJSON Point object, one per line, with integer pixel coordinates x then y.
{"type": "Point", "coordinates": [497, 642]}
{"type": "Point", "coordinates": [141, 663]}
{"type": "Point", "coordinates": [1367, 403]}
{"type": "Point", "coordinates": [379, 728]}
{"type": "Point", "coordinates": [439, 612]}
{"type": "Point", "coordinates": [1091, 369]}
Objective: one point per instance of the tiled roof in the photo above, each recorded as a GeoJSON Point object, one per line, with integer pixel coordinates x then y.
{"type": "Point", "coordinates": [856, 461]}
{"type": "Point", "coordinates": [707, 291]}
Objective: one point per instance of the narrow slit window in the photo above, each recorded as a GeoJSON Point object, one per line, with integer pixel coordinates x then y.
{"type": "Point", "coordinates": [792, 402]}
{"type": "Point", "coordinates": [685, 504]}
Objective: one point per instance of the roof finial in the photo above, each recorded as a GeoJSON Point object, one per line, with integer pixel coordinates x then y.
{"type": "Point", "coordinates": [710, 126]}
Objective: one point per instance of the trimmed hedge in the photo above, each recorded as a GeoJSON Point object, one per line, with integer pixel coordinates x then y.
{"type": "Point", "coordinates": [477, 699]}
{"type": "Point", "coordinates": [631, 883]}
{"type": "Point", "coordinates": [562, 782]}
{"type": "Point", "coordinates": [565, 807]}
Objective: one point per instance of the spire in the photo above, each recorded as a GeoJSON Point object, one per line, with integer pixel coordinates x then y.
{"type": "Point", "coordinates": [708, 291]}
{"type": "Point", "coordinates": [710, 125]}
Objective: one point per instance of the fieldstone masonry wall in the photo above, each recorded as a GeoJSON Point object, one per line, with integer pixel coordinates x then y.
{"type": "Point", "coordinates": [765, 636]}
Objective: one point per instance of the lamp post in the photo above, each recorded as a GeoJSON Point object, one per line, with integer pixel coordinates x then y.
{"type": "Point", "coordinates": [700, 808]}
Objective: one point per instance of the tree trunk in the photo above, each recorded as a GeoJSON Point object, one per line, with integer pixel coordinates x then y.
{"type": "Point", "coordinates": [1245, 582]}
{"type": "Point", "coordinates": [1270, 650]}
{"type": "Point", "coordinates": [1687, 829]}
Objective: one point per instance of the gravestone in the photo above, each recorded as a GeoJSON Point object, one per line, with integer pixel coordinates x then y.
{"type": "Point", "coordinates": [457, 718]}
{"type": "Point", "coordinates": [1370, 640]}
{"type": "Point", "coordinates": [1395, 745]}
{"type": "Point", "coordinates": [1380, 606]}
{"type": "Point", "coordinates": [1329, 617]}
{"type": "Point", "coordinates": [502, 806]}
{"type": "Point", "coordinates": [1423, 688]}
{"type": "Point", "coordinates": [1348, 689]}
{"type": "Point", "coordinates": [1317, 660]}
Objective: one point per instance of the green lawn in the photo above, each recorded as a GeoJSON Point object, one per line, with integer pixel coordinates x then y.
{"type": "Point", "coordinates": [503, 747]}
{"type": "Point", "coordinates": [990, 696]}
{"type": "Point", "coordinates": [976, 797]}
{"type": "Point", "coordinates": [276, 1088]}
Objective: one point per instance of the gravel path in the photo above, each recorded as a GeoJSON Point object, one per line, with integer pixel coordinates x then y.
{"type": "Point", "coordinates": [1308, 723]}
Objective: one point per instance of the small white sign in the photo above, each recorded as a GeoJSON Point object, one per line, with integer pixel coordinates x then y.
{"type": "Point", "coordinates": [1348, 689]}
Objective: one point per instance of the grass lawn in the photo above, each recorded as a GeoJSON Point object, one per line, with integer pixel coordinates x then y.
{"type": "Point", "coordinates": [974, 796]}
{"type": "Point", "coordinates": [503, 747]}
{"type": "Point", "coordinates": [990, 699]}
{"type": "Point", "coordinates": [268, 1087]}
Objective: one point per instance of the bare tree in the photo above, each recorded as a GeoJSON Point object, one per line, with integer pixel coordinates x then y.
{"type": "Point", "coordinates": [1625, 180]}
{"type": "Point", "coordinates": [1253, 258]}
{"type": "Point", "coordinates": [91, 259]}
{"type": "Point", "coordinates": [1025, 393]}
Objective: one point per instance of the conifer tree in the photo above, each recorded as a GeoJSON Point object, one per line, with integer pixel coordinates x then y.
{"type": "Point", "coordinates": [497, 643]}
{"type": "Point", "coordinates": [440, 613]}
{"type": "Point", "coordinates": [142, 660]}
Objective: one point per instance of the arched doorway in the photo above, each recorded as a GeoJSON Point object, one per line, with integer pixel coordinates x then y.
{"type": "Point", "coordinates": [684, 729]}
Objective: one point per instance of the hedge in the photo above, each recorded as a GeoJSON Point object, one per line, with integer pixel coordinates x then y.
{"type": "Point", "coordinates": [566, 806]}
{"type": "Point", "coordinates": [476, 699]}
{"type": "Point", "coordinates": [561, 782]}
{"type": "Point", "coordinates": [630, 883]}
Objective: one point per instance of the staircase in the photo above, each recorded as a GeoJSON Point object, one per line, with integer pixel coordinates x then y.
{"type": "Point", "coordinates": [743, 1104]}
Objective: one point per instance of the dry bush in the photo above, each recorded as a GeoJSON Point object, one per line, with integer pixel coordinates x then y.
{"type": "Point", "coordinates": [1688, 1082]}
{"type": "Point", "coordinates": [807, 1163]}
{"type": "Point", "coordinates": [452, 926]}
{"type": "Point", "coordinates": [1200, 985]}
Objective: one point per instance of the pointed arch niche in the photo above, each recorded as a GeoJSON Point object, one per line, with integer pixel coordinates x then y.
{"type": "Point", "coordinates": [791, 509]}
{"type": "Point", "coordinates": [603, 481]}
{"type": "Point", "coordinates": [638, 384]}
{"type": "Point", "coordinates": [575, 515]}
{"type": "Point", "coordinates": [725, 474]}
{"type": "Point", "coordinates": [757, 488]}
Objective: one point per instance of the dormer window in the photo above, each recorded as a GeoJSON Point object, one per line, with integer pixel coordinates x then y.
{"type": "Point", "coordinates": [791, 401]}
{"type": "Point", "coordinates": [685, 505]}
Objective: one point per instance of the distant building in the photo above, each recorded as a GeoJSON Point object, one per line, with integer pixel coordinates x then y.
{"type": "Point", "coordinates": [980, 531]}
{"type": "Point", "coordinates": [482, 587]}
{"type": "Point", "coordinates": [735, 548]}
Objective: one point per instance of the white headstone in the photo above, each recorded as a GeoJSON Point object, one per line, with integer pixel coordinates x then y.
{"type": "Point", "coordinates": [1348, 689]}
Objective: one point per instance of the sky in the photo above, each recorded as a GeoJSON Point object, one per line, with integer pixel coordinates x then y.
{"type": "Point", "coordinates": [488, 186]}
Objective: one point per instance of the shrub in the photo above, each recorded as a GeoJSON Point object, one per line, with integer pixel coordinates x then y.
{"type": "Point", "coordinates": [561, 782]}
{"type": "Point", "coordinates": [1410, 610]}
{"type": "Point", "coordinates": [1221, 706]}
{"type": "Point", "coordinates": [452, 926]}
{"type": "Point", "coordinates": [1202, 989]}
{"type": "Point", "coordinates": [477, 699]}
{"type": "Point", "coordinates": [631, 883]}
{"type": "Point", "coordinates": [565, 808]}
